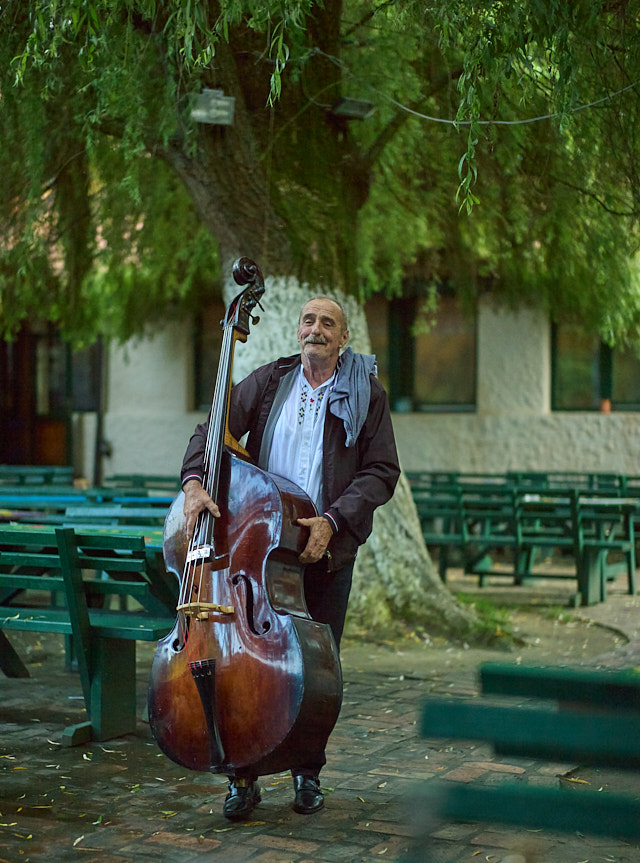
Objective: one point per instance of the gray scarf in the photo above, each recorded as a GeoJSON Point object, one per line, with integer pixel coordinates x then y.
{"type": "Point", "coordinates": [350, 395]}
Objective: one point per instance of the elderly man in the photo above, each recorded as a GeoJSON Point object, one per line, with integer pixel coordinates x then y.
{"type": "Point", "coordinates": [321, 419]}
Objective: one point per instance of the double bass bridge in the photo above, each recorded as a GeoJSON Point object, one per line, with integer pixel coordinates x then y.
{"type": "Point", "coordinates": [202, 610]}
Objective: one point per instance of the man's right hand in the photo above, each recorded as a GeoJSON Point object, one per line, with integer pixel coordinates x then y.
{"type": "Point", "coordinates": [196, 500]}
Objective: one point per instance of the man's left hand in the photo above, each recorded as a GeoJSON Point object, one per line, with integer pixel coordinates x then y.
{"type": "Point", "coordinates": [320, 533]}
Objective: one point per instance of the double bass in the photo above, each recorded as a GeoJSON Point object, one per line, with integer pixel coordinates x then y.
{"type": "Point", "coordinates": [245, 679]}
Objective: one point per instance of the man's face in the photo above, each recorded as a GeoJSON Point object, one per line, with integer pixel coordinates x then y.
{"type": "Point", "coordinates": [321, 331]}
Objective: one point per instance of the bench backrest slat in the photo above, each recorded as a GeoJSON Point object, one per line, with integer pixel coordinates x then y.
{"type": "Point", "coordinates": [28, 559]}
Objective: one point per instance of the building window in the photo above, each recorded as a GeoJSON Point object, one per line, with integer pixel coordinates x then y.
{"type": "Point", "coordinates": [589, 375]}
{"type": "Point", "coordinates": [432, 370]}
{"type": "Point", "coordinates": [625, 392]}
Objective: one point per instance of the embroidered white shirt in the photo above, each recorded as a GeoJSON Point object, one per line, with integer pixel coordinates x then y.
{"type": "Point", "coordinates": [296, 450]}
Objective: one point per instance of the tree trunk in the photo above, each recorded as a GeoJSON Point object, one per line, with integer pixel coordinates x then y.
{"type": "Point", "coordinates": [395, 582]}
{"type": "Point", "coordinates": [284, 186]}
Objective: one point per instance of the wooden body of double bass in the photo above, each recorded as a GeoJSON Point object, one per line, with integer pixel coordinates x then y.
{"type": "Point", "coordinates": [259, 686]}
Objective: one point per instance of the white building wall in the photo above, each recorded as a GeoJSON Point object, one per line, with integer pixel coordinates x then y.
{"type": "Point", "coordinates": [513, 427]}
{"type": "Point", "coordinates": [149, 418]}
{"type": "Point", "coordinates": [514, 375]}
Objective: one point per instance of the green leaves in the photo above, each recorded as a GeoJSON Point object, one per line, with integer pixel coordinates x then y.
{"type": "Point", "coordinates": [468, 174]}
{"type": "Point", "coordinates": [279, 53]}
{"type": "Point", "coordinates": [100, 233]}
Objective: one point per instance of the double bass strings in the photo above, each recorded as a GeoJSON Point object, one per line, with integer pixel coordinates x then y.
{"type": "Point", "coordinates": [201, 544]}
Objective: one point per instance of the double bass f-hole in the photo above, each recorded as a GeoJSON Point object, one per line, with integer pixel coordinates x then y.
{"type": "Point", "coordinates": [249, 605]}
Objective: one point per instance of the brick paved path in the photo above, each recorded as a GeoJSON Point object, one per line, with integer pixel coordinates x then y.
{"type": "Point", "coordinates": [122, 801]}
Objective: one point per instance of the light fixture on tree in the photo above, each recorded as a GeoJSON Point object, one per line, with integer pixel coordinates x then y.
{"type": "Point", "coordinates": [212, 106]}
{"type": "Point", "coordinates": [353, 109]}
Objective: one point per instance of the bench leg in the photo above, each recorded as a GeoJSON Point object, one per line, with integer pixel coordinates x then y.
{"type": "Point", "coordinates": [10, 662]}
{"type": "Point", "coordinates": [107, 666]}
{"type": "Point", "coordinates": [443, 563]}
{"type": "Point", "coordinates": [112, 708]}
{"type": "Point", "coordinates": [113, 688]}
{"type": "Point", "coordinates": [76, 735]}
{"type": "Point", "coordinates": [631, 565]}
{"type": "Point", "coordinates": [524, 562]}
{"type": "Point", "coordinates": [590, 576]}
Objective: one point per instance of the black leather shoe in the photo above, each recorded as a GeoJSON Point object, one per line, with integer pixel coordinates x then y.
{"type": "Point", "coordinates": [241, 800]}
{"type": "Point", "coordinates": [309, 797]}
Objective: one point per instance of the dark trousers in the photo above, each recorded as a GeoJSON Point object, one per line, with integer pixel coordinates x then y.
{"type": "Point", "coordinates": [327, 595]}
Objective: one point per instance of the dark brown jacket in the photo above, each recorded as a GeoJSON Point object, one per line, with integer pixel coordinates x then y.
{"type": "Point", "coordinates": [356, 480]}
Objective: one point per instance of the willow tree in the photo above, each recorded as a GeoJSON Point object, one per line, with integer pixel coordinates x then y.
{"type": "Point", "coordinates": [527, 117]}
{"type": "Point", "coordinates": [118, 205]}
{"type": "Point", "coordinates": [529, 109]}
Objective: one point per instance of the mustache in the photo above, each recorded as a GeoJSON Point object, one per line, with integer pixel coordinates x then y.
{"type": "Point", "coordinates": [315, 340]}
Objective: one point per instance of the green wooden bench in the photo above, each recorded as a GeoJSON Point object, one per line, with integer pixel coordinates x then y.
{"type": "Point", "coordinates": [39, 568]}
{"type": "Point", "coordinates": [27, 490]}
{"type": "Point", "coordinates": [159, 482]}
{"type": "Point", "coordinates": [583, 480]}
{"type": "Point", "coordinates": [604, 525]}
{"type": "Point", "coordinates": [522, 521]}
{"type": "Point", "coordinates": [579, 715]}
{"type": "Point", "coordinates": [31, 474]}
{"type": "Point", "coordinates": [489, 518]}
{"type": "Point", "coordinates": [589, 529]}
{"type": "Point", "coordinates": [33, 499]}
{"type": "Point", "coordinates": [149, 513]}
{"type": "Point", "coordinates": [587, 526]}
{"type": "Point", "coordinates": [49, 504]}
{"type": "Point", "coordinates": [44, 509]}
{"type": "Point", "coordinates": [94, 494]}
{"type": "Point", "coordinates": [489, 513]}
{"type": "Point", "coordinates": [442, 521]}
{"type": "Point", "coordinates": [589, 523]}
{"type": "Point", "coordinates": [473, 518]}
{"type": "Point", "coordinates": [425, 480]}
{"type": "Point", "coordinates": [477, 519]}
{"type": "Point", "coordinates": [34, 507]}
{"type": "Point", "coordinates": [544, 520]}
